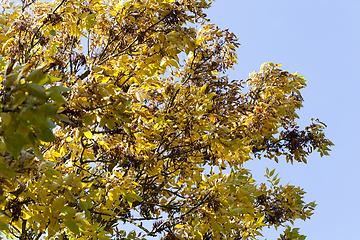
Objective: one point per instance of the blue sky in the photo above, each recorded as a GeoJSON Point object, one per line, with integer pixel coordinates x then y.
{"type": "Point", "coordinates": [320, 39]}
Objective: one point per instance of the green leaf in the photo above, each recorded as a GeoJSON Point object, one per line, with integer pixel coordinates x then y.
{"type": "Point", "coordinates": [87, 120]}
{"type": "Point", "coordinates": [225, 129]}
{"type": "Point", "coordinates": [36, 90]}
{"type": "Point", "coordinates": [136, 197]}
{"type": "Point", "coordinates": [85, 14]}
{"type": "Point", "coordinates": [90, 19]}
{"type": "Point", "coordinates": [53, 79]}
{"type": "Point", "coordinates": [277, 182]}
{"type": "Point", "coordinates": [127, 130]}
{"type": "Point", "coordinates": [72, 226]}
{"type": "Point", "coordinates": [129, 199]}
{"type": "Point", "coordinates": [232, 189]}
{"type": "Point", "coordinates": [46, 135]}
{"type": "Point", "coordinates": [83, 205]}
{"type": "Point", "coordinates": [51, 174]}
{"type": "Point", "coordinates": [48, 109]}
{"type": "Point", "coordinates": [52, 32]}
{"type": "Point", "coordinates": [4, 170]}
{"type": "Point", "coordinates": [50, 123]}
{"type": "Point", "coordinates": [35, 117]}
{"type": "Point", "coordinates": [36, 74]}
{"type": "Point", "coordinates": [236, 210]}
{"type": "Point", "coordinates": [69, 212]}
{"type": "Point", "coordinates": [36, 150]}
{"type": "Point", "coordinates": [11, 79]}
{"type": "Point", "coordinates": [41, 79]}
{"type": "Point", "coordinates": [23, 130]}
{"type": "Point", "coordinates": [57, 97]}
{"type": "Point", "coordinates": [216, 226]}
{"type": "Point", "coordinates": [18, 99]}
{"type": "Point", "coordinates": [44, 79]}
{"type": "Point", "coordinates": [4, 227]}
{"type": "Point", "coordinates": [63, 118]}
{"type": "Point", "coordinates": [5, 118]}
{"type": "Point", "coordinates": [2, 146]}
{"type": "Point", "coordinates": [199, 235]}
{"type": "Point", "coordinates": [14, 143]}
{"type": "Point", "coordinates": [59, 89]}
{"type": "Point", "coordinates": [55, 93]}
{"type": "Point", "coordinates": [2, 63]}
{"type": "Point", "coordinates": [272, 172]}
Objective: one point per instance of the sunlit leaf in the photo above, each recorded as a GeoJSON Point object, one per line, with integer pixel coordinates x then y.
{"type": "Point", "coordinates": [124, 112]}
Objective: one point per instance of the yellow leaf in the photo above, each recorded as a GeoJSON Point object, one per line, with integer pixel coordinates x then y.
{"type": "Point", "coordinates": [199, 235]}
{"type": "Point", "coordinates": [202, 90]}
{"type": "Point", "coordinates": [88, 134]}
{"type": "Point", "coordinates": [26, 215]}
{"type": "Point", "coordinates": [3, 37]}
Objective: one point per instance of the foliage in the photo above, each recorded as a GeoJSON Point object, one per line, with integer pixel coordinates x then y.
{"type": "Point", "coordinates": [121, 111]}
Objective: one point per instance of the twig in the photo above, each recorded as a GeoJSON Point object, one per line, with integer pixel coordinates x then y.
{"type": "Point", "coordinates": [131, 220]}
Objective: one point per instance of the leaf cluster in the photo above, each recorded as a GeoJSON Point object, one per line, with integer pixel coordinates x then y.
{"type": "Point", "coordinates": [121, 111]}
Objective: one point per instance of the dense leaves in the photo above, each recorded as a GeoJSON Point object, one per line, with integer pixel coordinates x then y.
{"type": "Point", "coordinates": [121, 111]}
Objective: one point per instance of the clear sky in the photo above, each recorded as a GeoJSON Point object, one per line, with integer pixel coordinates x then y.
{"type": "Point", "coordinates": [320, 39]}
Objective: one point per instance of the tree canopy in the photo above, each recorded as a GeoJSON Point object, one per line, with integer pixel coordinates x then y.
{"type": "Point", "coordinates": [121, 111]}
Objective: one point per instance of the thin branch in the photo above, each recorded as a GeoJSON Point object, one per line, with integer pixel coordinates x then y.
{"type": "Point", "coordinates": [135, 40]}
{"type": "Point", "coordinates": [131, 220]}
{"type": "Point", "coordinates": [42, 25]}
{"type": "Point", "coordinates": [38, 236]}
{"type": "Point", "coordinates": [172, 219]}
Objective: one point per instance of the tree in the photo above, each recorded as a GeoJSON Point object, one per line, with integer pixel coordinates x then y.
{"type": "Point", "coordinates": [121, 111]}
